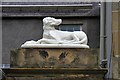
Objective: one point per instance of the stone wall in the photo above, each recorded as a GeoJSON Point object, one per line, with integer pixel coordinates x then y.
{"type": "Point", "coordinates": [17, 31]}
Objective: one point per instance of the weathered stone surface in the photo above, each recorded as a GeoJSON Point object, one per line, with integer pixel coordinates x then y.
{"type": "Point", "coordinates": [116, 67]}
{"type": "Point", "coordinates": [116, 40]}
{"type": "Point", "coordinates": [54, 64]}
{"type": "Point", "coordinates": [29, 57]}
{"type": "Point", "coordinates": [54, 74]}
{"type": "Point", "coordinates": [62, 77]}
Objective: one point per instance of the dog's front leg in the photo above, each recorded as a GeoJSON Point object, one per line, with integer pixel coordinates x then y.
{"type": "Point", "coordinates": [83, 41]}
{"type": "Point", "coordinates": [47, 41]}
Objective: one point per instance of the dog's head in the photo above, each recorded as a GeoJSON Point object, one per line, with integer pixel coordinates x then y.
{"type": "Point", "coordinates": [51, 21]}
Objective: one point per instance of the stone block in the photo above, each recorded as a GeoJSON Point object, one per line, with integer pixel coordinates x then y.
{"type": "Point", "coordinates": [42, 57]}
{"type": "Point", "coordinates": [116, 32]}
{"type": "Point", "coordinates": [115, 43]}
{"type": "Point", "coordinates": [115, 21]}
{"type": "Point", "coordinates": [119, 67]}
{"type": "Point", "coordinates": [115, 6]}
{"type": "Point", "coordinates": [116, 67]}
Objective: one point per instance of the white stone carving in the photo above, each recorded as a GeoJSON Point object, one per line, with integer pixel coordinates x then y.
{"type": "Point", "coordinates": [55, 38]}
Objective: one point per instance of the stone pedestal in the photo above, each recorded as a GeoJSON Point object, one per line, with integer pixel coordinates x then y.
{"type": "Point", "coordinates": [54, 64]}
{"type": "Point", "coordinates": [57, 57]}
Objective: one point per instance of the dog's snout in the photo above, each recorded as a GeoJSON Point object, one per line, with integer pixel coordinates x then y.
{"type": "Point", "coordinates": [60, 20]}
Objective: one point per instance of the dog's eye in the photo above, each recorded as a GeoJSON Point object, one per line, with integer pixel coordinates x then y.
{"type": "Point", "coordinates": [50, 20]}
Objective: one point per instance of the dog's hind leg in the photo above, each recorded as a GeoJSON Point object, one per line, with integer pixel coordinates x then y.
{"type": "Point", "coordinates": [83, 41]}
{"type": "Point", "coordinates": [75, 38]}
{"type": "Point", "coordinates": [47, 41]}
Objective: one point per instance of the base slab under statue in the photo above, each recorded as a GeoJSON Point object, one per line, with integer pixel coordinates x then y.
{"type": "Point", "coordinates": [54, 46]}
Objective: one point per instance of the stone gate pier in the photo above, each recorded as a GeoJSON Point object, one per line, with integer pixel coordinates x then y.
{"type": "Point", "coordinates": [55, 64]}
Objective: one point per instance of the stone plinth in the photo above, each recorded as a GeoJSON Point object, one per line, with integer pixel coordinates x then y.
{"type": "Point", "coordinates": [54, 64]}
{"type": "Point", "coordinates": [54, 57]}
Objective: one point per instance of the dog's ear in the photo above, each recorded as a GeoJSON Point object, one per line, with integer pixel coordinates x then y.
{"type": "Point", "coordinates": [44, 20]}
{"type": "Point", "coordinates": [47, 20]}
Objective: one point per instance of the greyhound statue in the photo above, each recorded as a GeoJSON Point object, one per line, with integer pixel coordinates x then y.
{"type": "Point", "coordinates": [53, 36]}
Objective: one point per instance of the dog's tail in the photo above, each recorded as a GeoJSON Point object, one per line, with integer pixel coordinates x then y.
{"type": "Point", "coordinates": [83, 41]}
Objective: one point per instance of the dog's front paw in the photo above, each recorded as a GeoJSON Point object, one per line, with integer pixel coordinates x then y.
{"type": "Point", "coordinates": [30, 42]}
{"type": "Point", "coordinates": [39, 41]}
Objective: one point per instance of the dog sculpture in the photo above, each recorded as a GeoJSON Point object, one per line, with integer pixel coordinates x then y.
{"type": "Point", "coordinates": [53, 36]}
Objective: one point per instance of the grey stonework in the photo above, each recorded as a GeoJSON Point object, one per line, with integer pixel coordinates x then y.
{"type": "Point", "coordinates": [17, 31]}
{"type": "Point", "coordinates": [55, 9]}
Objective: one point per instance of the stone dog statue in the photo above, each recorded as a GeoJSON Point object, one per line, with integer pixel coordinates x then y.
{"type": "Point", "coordinates": [53, 36]}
